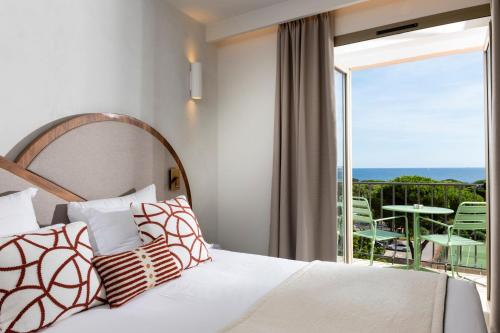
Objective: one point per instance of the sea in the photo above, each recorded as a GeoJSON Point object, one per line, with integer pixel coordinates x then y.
{"type": "Point", "coordinates": [466, 175]}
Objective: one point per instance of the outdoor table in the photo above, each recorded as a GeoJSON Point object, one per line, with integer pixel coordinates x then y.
{"type": "Point", "coordinates": [416, 224]}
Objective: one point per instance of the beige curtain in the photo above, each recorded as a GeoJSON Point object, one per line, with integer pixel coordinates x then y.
{"type": "Point", "coordinates": [303, 208]}
{"type": "Point", "coordinates": [494, 230]}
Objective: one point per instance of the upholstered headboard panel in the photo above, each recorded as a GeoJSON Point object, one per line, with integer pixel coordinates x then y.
{"type": "Point", "coordinates": [49, 207]}
{"type": "Point", "coordinates": [92, 156]}
{"type": "Point", "coordinates": [104, 155]}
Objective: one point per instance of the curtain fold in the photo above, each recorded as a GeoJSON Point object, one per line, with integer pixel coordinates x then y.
{"type": "Point", "coordinates": [304, 204]}
{"type": "Point", "coordinates": [494, 230]}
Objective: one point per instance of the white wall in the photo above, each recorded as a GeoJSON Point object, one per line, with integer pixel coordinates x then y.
{"type": "Point", "coordinates": [59, 58]}
{"type": "Point", "coordinates": [246, 87]}
{"type": "Point", "coordinates": [246, 90]}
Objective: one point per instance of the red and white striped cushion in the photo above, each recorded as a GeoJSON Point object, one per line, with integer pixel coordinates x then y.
{"type": "Point", "coordinates": [128, 274]}
{"type": "Point", "coordinates": [45, 276]}
{"type": "Point", "coordinates": [175, 220]}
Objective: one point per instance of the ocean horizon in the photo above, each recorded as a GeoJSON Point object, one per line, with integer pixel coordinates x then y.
{"type": "Point", "coordinates": [467, 175]}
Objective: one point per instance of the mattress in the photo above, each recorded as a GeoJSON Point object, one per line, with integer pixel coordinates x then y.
{"type": "Point", "coordinates": [209, 297]}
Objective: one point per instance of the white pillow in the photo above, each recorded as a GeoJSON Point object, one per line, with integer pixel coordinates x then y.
{"type": "Point", "coordinates": [78, 211]}
{"type": "Point", "coordinates": [17, 214]}
{"type": "Point", "coordinates": [112, 232]}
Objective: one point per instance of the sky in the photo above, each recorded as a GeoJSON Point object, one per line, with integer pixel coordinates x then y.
{"type": "Point", "coordinates": [422, 114]}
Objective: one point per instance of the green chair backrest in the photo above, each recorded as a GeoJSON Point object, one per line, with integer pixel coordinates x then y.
{"type": "Point", "coordinates": [470, 216]}
{"type": "Point", "coordinates": [361, 211]}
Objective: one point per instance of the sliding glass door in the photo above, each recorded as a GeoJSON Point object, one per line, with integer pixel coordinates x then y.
{"type": "Point", "coordinates": [488, 114]}
{"type": "Point", "coordinates": [343, 166]}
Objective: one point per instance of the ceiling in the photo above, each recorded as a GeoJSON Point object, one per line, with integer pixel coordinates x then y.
{"type": "Point", "coordinates": [209, 11]}
{"type": "Point", "coordinates": [440, 40]}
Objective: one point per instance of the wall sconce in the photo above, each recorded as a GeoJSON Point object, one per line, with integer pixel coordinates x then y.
{"type": "Point", "coordinates": [196, 81]}
{"type": "Point", "coordinates": [174, 179]}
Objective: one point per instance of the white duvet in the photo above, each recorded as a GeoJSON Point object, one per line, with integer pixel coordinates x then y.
{"type": "Point", "coordinates": [214, 295]}
{"type": "Point", "coordinates": [204, 299]}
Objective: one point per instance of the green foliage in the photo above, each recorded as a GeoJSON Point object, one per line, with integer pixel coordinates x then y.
{"type": "Point", "coordinates": [449, 196]}
{"type": "Point", "coordinates": [416, 190]}
{"type": "Point", "coordinates": [362, 248]}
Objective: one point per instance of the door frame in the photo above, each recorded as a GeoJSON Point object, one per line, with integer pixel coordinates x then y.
{"type": "Point", "coordinates": [487, 130]}
{"type": "Point", "coordinates": [392, 29]}
{"type": "Point", "coordinates": [347, 167]}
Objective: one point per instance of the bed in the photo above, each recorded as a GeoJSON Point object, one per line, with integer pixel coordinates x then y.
{"type": "Point", "coordinates": [210, 297]}
{"type": "Point", "coordinates": [215, 294]}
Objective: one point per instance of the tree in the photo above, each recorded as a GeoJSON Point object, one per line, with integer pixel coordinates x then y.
{"type": "Point", "coordinates": [416, 189]}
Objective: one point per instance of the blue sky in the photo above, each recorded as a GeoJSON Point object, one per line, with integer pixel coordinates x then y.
{"type": "Point", "coordinates": [426, 113]}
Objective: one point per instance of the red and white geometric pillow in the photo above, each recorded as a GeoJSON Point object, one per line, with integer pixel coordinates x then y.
{"type": "Point", "coordinates": [175, 220]}
{"type": "Point", "coordinates": [46, 276]}
{"type": "Point", "coordinates": [128, 274]}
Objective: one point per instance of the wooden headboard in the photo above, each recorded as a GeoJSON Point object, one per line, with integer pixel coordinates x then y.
{"type": "Point", "coordinates": [93, 156]}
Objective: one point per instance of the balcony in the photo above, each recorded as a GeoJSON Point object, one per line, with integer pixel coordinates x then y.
{"type": "Point", "coordinates": [435, 194]}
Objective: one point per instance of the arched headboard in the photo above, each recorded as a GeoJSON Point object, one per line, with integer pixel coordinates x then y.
{"type": "Point", "coordinates": [102, 155]}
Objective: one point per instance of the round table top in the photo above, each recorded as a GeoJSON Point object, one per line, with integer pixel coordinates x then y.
{"type": "Point", "coordinates": [422, 210]}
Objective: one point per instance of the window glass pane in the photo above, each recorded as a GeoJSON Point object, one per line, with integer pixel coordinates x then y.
{"type": "Point", "coordinates": [340, 102]}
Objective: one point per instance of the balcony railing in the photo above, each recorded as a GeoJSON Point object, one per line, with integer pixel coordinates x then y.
{"type": "Point", "coordinates": [436, 194]}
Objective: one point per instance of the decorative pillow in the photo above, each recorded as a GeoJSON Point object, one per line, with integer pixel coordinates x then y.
{"type": "Point", "coordinates": [128, 274]}
{"type": "Point", "coordinates": [175, 220]}
{"type": "Point", "coordinates": [17, 214]}
{"type": "Point", "coordinates": [112, 232]}
{"type": "Point", "coordinates": [46, 276]}
{"type": "Point", "coordinates": [78, 211]}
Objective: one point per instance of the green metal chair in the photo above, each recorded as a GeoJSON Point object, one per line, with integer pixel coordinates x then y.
{"type": "Point", "coordinates": [362, 213]}
{"type": "Point", "coordinates": [470, 216]}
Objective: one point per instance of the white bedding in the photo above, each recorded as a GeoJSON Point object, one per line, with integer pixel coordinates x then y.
{"type": "Point", "coordinates": [204, 299]}
{"type": "Point", "coordinates": [209, 297]}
